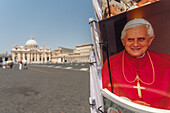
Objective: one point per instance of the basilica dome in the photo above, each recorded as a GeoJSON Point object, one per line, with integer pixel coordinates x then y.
{"type": "Point", "coordinates": [31, 43]}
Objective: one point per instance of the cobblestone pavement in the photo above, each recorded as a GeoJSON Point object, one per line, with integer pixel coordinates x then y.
{"type": "Point", "coordinates": [44, 90]}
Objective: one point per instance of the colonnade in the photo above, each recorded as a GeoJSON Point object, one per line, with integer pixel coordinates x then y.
{"type": "Point", "coordinates": [81, 58]}
{"type": "Point", "coordinates": [31, 57]}
{"type": "Point", "coordinates": [70, 59]}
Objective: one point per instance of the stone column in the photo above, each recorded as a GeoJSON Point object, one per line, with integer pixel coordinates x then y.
{"type": "Point", "coordinates": [35, 58]}
{"type": "Point", "coordinates": [49, 56]}
{"type": "Point", "coordinates": [23, 56]}
{"type": "Point", "coordinates": [45, 57]}
{"type": "Point", "coordinates": [28, 57]}
{"type": "Point", "coordinates": [31, 57]}
{"type": "Point", "coordinates": [13, 56]}
{"type": "Point", "coordinates": [19, 57]}
{"type": "Point", "coordinates": [42, 58]}
{"type": "Point", "coordinates": [38, 58]}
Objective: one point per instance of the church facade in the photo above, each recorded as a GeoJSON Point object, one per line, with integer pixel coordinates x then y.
{"type": "Point", "coordinates": [31, 52]}
{"type": "Point", "coordinates": [34, 54]}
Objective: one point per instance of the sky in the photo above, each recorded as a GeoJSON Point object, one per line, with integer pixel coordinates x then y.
{"type": "Point", "coordinates": [57, 23]}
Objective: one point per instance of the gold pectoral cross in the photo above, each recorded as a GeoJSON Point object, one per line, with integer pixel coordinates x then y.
{"type": "Point", "coordinates": [139, 89]}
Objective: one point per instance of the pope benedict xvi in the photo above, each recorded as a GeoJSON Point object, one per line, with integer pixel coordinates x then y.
{"type": "Point", "coordinates": [137, 73]}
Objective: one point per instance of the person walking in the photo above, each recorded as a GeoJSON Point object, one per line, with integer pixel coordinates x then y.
{"type": "Point", "coordinates": [4, 64]}
{"type": "Point", "coordinates": [20, 65]}
{"type": "Point", "coordinates": [11, 64]}
{"type": "Point", "coordinates": [24, 64]}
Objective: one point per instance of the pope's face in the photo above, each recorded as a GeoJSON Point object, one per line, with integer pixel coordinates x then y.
{"type": "Point", "coordinates": [137, 41]}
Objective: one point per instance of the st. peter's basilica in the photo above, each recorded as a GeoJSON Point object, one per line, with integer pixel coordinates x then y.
{"type": "Point", "coordinates": [31, 52]}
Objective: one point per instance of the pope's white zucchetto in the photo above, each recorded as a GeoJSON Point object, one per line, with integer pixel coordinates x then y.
{"type": "Point", "coordinates": [137, 22]}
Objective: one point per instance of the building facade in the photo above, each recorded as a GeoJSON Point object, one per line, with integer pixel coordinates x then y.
{"type": "Point", "coordinates": [80, 54]}
{"type": "Point", "coordinates": [59, 56]}
{"type": "Point", "coordinates": [31, 52]}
